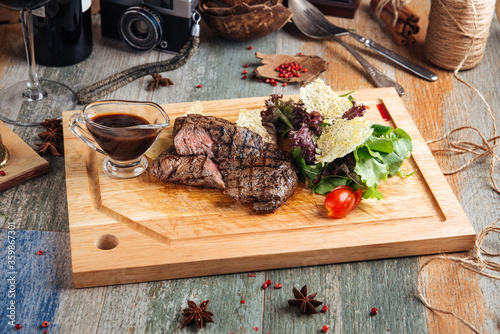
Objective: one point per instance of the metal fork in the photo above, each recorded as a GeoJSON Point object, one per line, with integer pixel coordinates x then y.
{"type": "Point", "coordinates": [328, 27]}
{"type": "Point", "coordinates": [311, 29]}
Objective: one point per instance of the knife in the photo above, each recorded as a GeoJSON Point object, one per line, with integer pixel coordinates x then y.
{"type": "Point", "coordinates": [330, 28]}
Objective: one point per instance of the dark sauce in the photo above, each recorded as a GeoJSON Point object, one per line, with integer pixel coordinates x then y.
{"type": "Point", "coordinates": [116, 140]}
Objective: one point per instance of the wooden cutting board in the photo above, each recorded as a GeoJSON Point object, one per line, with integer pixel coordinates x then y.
{"type": "Point", "coordinates": [23, 164]}
{"type": "Point", "coordinates": [149, 230]}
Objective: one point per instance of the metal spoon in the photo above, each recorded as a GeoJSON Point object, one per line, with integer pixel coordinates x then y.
{"type": "Point", "coordinates": [311, 29]}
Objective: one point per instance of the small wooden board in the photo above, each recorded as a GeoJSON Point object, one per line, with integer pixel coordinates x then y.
{"type": "Point", "coordinates": [174, 231]}
{"type": "Point", "coordinates": [24, 163]}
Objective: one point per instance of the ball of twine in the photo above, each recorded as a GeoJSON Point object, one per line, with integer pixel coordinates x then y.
{"type": "Point", "coordinates": [457, 32]}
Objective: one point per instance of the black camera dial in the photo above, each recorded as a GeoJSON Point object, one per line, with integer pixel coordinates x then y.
{"type": "Point", "coordinates": [141, 28]}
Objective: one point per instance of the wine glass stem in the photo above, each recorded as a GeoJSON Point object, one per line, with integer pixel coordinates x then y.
{"type": "Point", "coordinates": [34, 91]}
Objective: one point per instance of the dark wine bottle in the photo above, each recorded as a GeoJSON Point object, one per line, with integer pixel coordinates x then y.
{"type": "Point", "coordinates": [63, 32]}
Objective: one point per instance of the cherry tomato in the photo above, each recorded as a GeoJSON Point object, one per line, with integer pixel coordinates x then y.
{"type": "Point", "coordinates": [342, 200]}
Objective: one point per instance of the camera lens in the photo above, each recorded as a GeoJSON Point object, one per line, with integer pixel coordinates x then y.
{"type": "Point", "coordinates": [141, 28]}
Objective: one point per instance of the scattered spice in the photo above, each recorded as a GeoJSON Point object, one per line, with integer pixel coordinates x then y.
{"type": "Point", "coordinates": [243, 301]}
{"type": "Point", "coordinates": [251, 275]}
{"type": "Point", "coordinates": [246, 65]}
{"type": "Point", "coordinates": [325, 329]}
{"type": "Point", "coordinates": [324, 309]}
{"type": "Point", "coordinates": [158, 81]}
{"type": "Point", "coordinates": [40, 252]}
{"type": "Point", "coordinates": [278, 286]}
{"type": "Point", "coordinates": [250, 47]}
{"type": "Point", "coordinates": [51, 134]}
{"type": "Point", "coordinates": [49, 147]}
{"type": "Point", "coordinates": [256, 328]}
{"type": "Point", "coordinates": [268, 282]}
{"type": "Point", "coordinates": [264, 286]}
{"type": "Point", "coordinates": [290, 69]}
{"type": "Point", "coordinates": [52, 123]}
{"type": "Point", "coordinates": [52, 137]}
{"type": "Point", "coordinates": [45, 324]}
{"type": "Point", "coordinates": [285, 84]}
{"type": "Point", "coordinates": [373, 311]}
{"type": "Point", "coordinates": [18, 326]}
{"type": "Point", "coordinates": [307, 304]}
{"type": "Point", "coordinates": [199, 86]}
{"type": "Point", "coordinates": [197, 314]}
{"type": "Point", "coordinates": [2, 173]}
{"type": "Point", "coordinates": [244, 77]}
{"type": "Point", "coordinates": [45, 332]}
{"type": "Point", "coordinates": [244, 72]}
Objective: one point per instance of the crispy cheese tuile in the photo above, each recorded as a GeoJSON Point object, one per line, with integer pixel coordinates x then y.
{"type": "Point", "coordinates": [317, 96]}
{"type": "Point", "coordinates": [252, 120]}
{"type": "Point", "coordinates": [341, 138]}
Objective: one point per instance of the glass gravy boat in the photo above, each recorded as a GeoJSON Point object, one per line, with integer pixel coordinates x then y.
{"type": "Point", "coordinates": [121, 130]}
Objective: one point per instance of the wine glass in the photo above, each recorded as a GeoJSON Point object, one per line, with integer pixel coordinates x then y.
{"type": "Point", "coordinates": [35, 94]}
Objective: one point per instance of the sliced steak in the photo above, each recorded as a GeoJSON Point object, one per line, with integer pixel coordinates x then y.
{"type": "Point", "coordinates": [268, 188]}
{"type": "Point", "coordinates": [251, 171]}
{"type": "Point", "coordinates": [193, 133]}
{"type": "Point", "coordinates": [198, 170]}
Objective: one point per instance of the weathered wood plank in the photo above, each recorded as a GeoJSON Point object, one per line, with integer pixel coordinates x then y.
{"type": "Point", "coordinates": [435, 107]}
{"type": "Point", "coordinates": [38, 278]}
{"type": "Point", "coordinates": [388, 285]}
{"type": "Point", "coordinates": [435, 113]}
{"type": "Point", "coordinates": [279, 317]}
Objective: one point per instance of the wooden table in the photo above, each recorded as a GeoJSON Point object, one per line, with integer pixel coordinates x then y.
{"type": "Point", "coordinates": [38, 208]}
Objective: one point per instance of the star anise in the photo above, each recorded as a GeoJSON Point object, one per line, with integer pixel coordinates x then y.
{"type": "Point", "coordinates": [52, 123]}
{"type": "Point", "coordinates": [307, 304]}
{"type": "Point", "coordinates": [158, 81]}
{"type": "Point", "coordinates": [49, 147]}
{"type": "Point", "coordinates": [51, 134]}
{"type": "Point", "coordinates": [197, 314]}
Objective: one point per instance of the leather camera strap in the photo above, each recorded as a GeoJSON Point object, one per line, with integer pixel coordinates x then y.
{"type": "Point", "coordinates": [99, 89]}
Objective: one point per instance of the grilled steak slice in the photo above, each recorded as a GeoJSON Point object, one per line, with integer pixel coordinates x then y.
{"type": "Point", "coordinates": [197, 170]}
{"type": "Point", "coordinates": [253, 171]}
{"type": "Point", "coordinates": [268, 188]}
{"type": "Point", "coordinates": [215, 137]}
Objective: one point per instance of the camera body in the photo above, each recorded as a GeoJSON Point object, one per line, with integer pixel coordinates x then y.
{"type": "Point", "coordinates": [144, 25]}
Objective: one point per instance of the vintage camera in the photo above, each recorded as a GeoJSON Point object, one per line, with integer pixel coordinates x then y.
{"type": "Point", "coordinates": [149, 24]}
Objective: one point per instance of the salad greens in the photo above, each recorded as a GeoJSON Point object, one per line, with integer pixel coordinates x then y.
{"type": "Point", "coordinates": [380, 156]}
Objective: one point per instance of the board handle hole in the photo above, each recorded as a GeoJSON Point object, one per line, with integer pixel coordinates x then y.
{"type": "Point", "coordinates": [106, 242]}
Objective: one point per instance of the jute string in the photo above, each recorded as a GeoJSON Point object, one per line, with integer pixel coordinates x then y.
{"type": "Point", "coordinates": [476, 261]}
{"type": "Point", "coordinates": [453, 24]}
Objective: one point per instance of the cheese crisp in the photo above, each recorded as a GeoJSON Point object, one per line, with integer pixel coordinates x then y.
{"type": "Point", "coordinates": [341, 138]}
{"type": "Point", "coordinates": [317, 96]}
{"type": "Point", "coordinates": [196, 108]}
{"type": "Point", "coordinates": [252, 120]}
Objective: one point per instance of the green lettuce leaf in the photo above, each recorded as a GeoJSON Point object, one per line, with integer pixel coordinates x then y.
{"type": "Point", "coordinates": [370, 170]}
{"type": "Point", "coordinates": [328, 183]}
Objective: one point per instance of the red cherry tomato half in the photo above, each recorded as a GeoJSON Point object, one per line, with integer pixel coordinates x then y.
{"type": "Point", "coordinates": [342, 200]}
